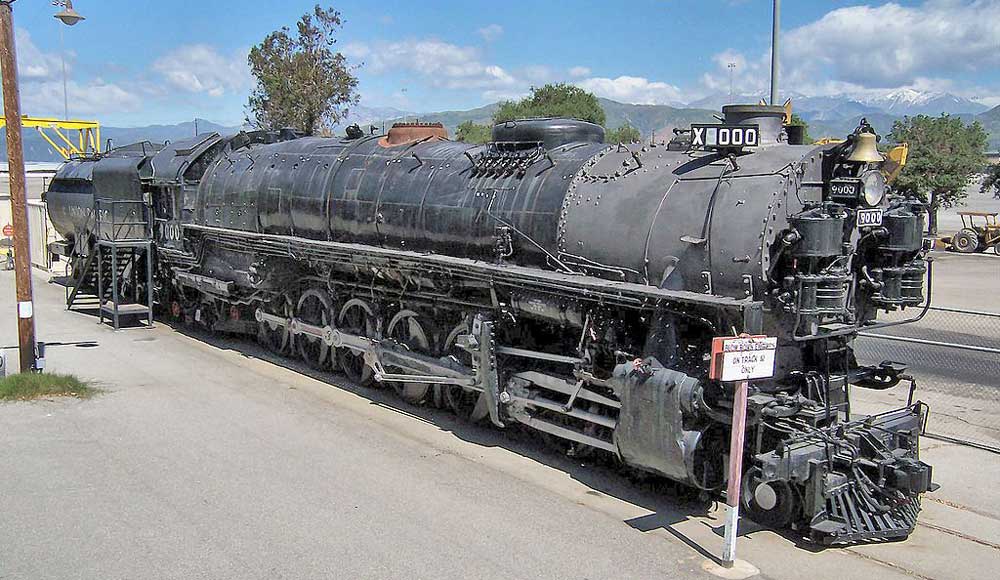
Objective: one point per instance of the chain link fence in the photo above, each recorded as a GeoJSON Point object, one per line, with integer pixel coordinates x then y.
{"type": "Point", "coordinates": [954, 356]}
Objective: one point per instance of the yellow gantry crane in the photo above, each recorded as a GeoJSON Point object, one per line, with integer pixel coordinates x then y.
{"type": "Point", "coordinates": [88, 138]}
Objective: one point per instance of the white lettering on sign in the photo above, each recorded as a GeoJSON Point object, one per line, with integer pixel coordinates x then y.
{"type": "Point", "coordinates": [171, 231]}
{"type": "Point", "coordinates": [725, 136]}
{"type": "Point", "coordinates": [750, 343]}
{"type": "Point", "coordinates": [698, 136]}
{"type": "Point", "coordinates": [845, 188]}
{"type": "Point", "coordinates": [748, 358]}
{"type": "Point", "coordinates": [868, 218]}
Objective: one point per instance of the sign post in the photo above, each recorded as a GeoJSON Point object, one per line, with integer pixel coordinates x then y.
{"type": "Point", "coordinates": [737, 360]}
{"type": "Point", "coordinates": [735, 473]}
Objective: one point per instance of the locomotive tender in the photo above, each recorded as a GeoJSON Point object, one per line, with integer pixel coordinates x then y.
{"type": "Point", "coordinates": [550, 280]}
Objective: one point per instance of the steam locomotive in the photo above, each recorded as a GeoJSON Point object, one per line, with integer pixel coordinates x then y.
{"type": "Point", "coordinates": [549, 280]}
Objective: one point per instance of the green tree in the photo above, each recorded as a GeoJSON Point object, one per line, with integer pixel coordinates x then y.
{"type": "Point", "coordinates": [992, 181]}
{"type": "Point", "coordinates": [944, 155]}
{"type": "Point", "coordinates": [469, 132]}
{"type": "Point", "coordinates": [799, 121]}
{"type": "Point", "coordinates": [302, 82]}
{"type": "Point", "coordinates": [553, 100]}
{"type": "Point", "coordinates": [624, 134]}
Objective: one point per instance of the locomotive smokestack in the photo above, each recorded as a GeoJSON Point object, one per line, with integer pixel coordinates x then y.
{"type": "Point", "coordinates": [768, 119]}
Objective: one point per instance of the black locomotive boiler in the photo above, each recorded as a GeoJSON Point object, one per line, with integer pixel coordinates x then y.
{"type": "Point", "coordinates": [550, 280]}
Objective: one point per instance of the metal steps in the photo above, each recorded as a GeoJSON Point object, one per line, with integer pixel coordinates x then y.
{"type": "Point", "coordinates": [124, 268]}
{"type": "Point", "coordinates": [115, 277]}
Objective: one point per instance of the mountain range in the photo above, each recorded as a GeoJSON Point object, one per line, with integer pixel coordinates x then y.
{"type": "Point", "coordinates": [828, 116]}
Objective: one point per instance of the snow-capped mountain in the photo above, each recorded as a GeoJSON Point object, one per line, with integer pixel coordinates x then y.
{"type": "Point", "coordinates": [897, 102]}
{"type": "Point", "coordinates": [913, 102]}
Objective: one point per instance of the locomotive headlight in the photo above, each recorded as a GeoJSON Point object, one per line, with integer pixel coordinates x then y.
{"type": "Point", "coordinates": [872, 188]}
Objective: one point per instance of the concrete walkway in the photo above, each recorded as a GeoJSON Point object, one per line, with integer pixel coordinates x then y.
{"type": "Point", "coordinates": [206, 458]}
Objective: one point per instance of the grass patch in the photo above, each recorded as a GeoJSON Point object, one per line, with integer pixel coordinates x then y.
{"type": "Point", "coordinates": [27, 386]}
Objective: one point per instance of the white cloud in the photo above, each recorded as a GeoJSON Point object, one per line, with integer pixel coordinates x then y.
{"type": "Point", "coordinates": [451, 66]}
{"type": "Point", "coordinates": [748, 76]}
{"type": "Point", "coordinates": [865, 50]}
{"type": "Point", "coordinates": [42, 87]}
{"type": "Point", "coordinates": [636, 90]}
{"type": "Point", "coordinates": [854, 51]}
{"type": "Point", "coordinates": [491, 32]}
{"type": "Point", "coordinates": [94, 97]}
{"type": "Point", "coordinates": [33, 63]}
{"type": "Point", "coordinates": [536, 73]}
{"type": "Point", "coordinates": [444, 64]}
{"type": "Point", "coordinates": [893, 45]}
{"type": "Point", "coordinates": [514, 94]}
{"type": "Point", "coordinates": [200, 68]}
{"type": "Point", "coordinates": [355, 50]}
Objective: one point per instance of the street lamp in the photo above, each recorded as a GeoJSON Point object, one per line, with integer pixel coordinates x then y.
{"type": "Point", "coordinates": [69, 17]}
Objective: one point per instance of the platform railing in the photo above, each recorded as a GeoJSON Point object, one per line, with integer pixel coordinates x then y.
{"type": "Point", "coordinates": [954, 355]}
{"type": "Point", "coordinates": [122, 220]}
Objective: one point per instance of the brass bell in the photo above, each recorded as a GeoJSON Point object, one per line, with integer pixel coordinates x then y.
{"type": "Point", "coordinates": [865, 149]}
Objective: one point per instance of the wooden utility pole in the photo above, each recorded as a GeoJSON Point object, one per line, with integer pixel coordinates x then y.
{"type": "Point", "coordinates": [18, 202]}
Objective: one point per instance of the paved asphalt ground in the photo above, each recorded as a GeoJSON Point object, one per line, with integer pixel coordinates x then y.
{"type": "Point", "coordinates": [207, 458]}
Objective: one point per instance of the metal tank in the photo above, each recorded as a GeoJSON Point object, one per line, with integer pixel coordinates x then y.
{"type": "Point", "coordinates": [70, 198]}
{"type": "Point", "coordinates": [417, 191]}
{"type": "Point", "coordinates": [661, 216]}
{"type": "Point", "coordinates": [87, 195]}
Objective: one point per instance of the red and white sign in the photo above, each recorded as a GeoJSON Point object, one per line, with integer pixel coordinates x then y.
{"type": "Point", "coordinates": [742, 358]}
{"type": "Point", "coordinates": [8, 231]}
{"type": "Point", "coordinates": [738, 359]}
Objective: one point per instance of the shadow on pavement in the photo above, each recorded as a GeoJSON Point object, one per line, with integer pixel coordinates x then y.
{"type": "Point", "coordinates": [670, 503]}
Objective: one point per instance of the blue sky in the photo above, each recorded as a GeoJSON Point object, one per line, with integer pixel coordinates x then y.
{"type": "Point", "coordinates": [138, 62]}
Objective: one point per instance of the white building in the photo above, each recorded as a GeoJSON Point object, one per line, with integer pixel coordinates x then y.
{"type": "Point", "coordinates": [38, 176]}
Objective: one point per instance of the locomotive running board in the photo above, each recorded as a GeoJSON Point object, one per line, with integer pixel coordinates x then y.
{"type": "Point", "coordinates": [599, 289]}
